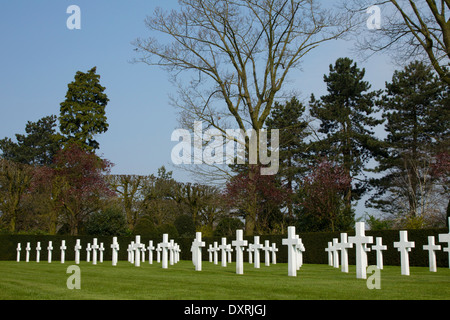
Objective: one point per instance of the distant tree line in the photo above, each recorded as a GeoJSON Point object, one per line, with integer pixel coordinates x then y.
{"type": "Point", "coordinates": [53, 182]}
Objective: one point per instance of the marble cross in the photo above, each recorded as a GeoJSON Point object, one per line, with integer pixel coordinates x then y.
{"type": "Point", "coordinates": [300, 249]}
{"type": "Point", "coordinates": [18, 252]}
{"type": "Point", "coordinates": [250, 253]}
{"type": "Point", "coordinates": [150, 249]}
{"type": "Point", "coordinates": [164, 246]}
{"type": "Point", "coordinates": [27, 254]}
{"type": "Point", "coordinates": [137, 251]}
{"type": "Point", "coordinates": [63, 250]}
{"type": "Point", "coordinates": [49, 250]}
{"type": "Point", "coordinates": [197, 245]}
{"type": "Point", "coordinates": [445, 237]}
{"type": "Point", "coordinates": [158, 252]}
{"type": "Point", "coordinates": [77, 251]}
{"type": "Point", "coordinates": [215, 253]}
{"type": "Point", "coordinates": [432, 247]}
{"type": "Point", "coordinates": [379, 247]}
{"type": "Point", "coordinates": [88, 252]}
{"type": "Point", "coordinates": [115, 251]}
{"type": "Point", "coordinates": [267, 249]}
{"type": "Point", "coordinates": [360, 240]}
{"type": "Point", "coordinates": [404, 247]}
{"type": "Point", "coordinates": [101, 249]}
{"type": "Point", "coordinates": [223, 250]}
{"type": "Point", "coordinates": [343, 246]}
{"type": "Point", "coordinates": [94, 248]}
{"type": "Point", "coordinates": [38, 252]}
{"type": "Point", "coordinates": [330, 250]}
{"type": "Point", "coordinates": [171, 252]}
{"type": "Point", "coordinates": [257, 246]}
{"type": "Point", "coordinates": [274, 253]}
{"type": "Point", "coordinates": [335, 253]}
{"type": "Point", "coordinates": [210, 252]}
{"type": "Point", "coordinates": [239, 244]}
{"type": "Point", "coordinates": [291, 241]}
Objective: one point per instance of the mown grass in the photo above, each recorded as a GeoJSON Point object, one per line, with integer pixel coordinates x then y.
{"type": "Point", "coordinates": [44, 281]}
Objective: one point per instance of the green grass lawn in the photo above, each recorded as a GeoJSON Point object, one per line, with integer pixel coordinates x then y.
{"type": "Point", "coordinates": [46, 281]}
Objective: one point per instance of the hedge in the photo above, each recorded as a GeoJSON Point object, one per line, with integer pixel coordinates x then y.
{"type": "Point", "coordinates": [315, 244]}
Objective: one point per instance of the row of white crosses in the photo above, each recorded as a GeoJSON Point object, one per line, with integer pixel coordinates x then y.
{"type": "Point", "coordinates": [253, 249]}
{"type": "Point", "coordinates": [63, 249]}
{"type": "Point", "coordinates": [169, 250]}
{"type": "Point", "coordinates": [360, 240]}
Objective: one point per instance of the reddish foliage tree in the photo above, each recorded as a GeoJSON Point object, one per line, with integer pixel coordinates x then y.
{"type": "Point", "coordinates": [323, 193]}
{"type": "Point", "coordinates": [249, 191]}
{"type": "Point", "coordinates": [75, 185]}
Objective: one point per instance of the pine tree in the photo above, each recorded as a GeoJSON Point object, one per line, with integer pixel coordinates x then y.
{"type": "Point", "coordinates": [37, 146]}
{"type": "Point", "coordinates": [288, 118]}
{"type": "Point", "coordinates": [416, 107]}
{"type": "Point", "coordinates": [82, 114]}
{"type": "Point", "coordinates": [346, 120]}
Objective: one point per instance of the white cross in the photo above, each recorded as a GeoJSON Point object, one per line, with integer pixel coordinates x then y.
{"type": "Point", "coordinates": [215, 253]}
{"type": "Point", "coordinates": [150, 249]}
{"type": "Point", "coordinates": [101, 249]}
{"type": "Point", "coordinates": [239, 244]}
{"type": "Point", "coordinates": [115, 251]}
{"type": "Point", "coordinates": [137, 251]}
{"type": "Point", "coordinates": [38, 252]}
{"type": "Point", "coordinates": [274, 253]}
{"type": "Point", "coordinates": [250, 253]}
{"type": "Point", "coordinates": [197, 245]}
{"type": "Point", "coordinates": [300, 248]}
{"type": "Point", "coordinates": [445, 237]}
{"type": "Point", "coordinates": [63, 250]}
{"type": "Point", "coordinates": [27, 255]}
{"type": "Point", "coordinates": [77, 251]}
{"type": "Point", "coordinates": [94, 248]}
{"type": "Point", "coordinates": [267, 248]}
{"type": "Point", "coordinates": [343, 246]}
{"type": "Point", "coordinates": [359, 240]}
{"type": "Point", "coordinates": [335, 253]}
{"type": "Point", "coordinates": [88, 252]}
{"type": "Point", "coordinates": [404, 247]}
{"type": "Point", "coordinates": [18, 252]}
{"type": "Point", "coordinates": [229, 251]}
{"type": "Point", "coordinates": [330, 249]}
{"type": "Point", "coordinates": [379, 247]}
{"type": "Point", "coordinates": [158, 253]}
{"type": "Point", "coordinates": [291, 242]}
{"type": "Point", "coordinates": [49, 250]}
{"type": "Point", "coordinates": [257, 246]}
{"type": "Point", "coordinates": [210, 252]}
{"type": "Point", "coordinates": [143, 249]}
{"type": "Point", "coordinates": [431, 247]}
{"type": "Point", "coordinates": [165, 245]}
{"type": "Point", "coordinates": [223, 249]}
{"type": "Point", "coordinates": [171, 252]}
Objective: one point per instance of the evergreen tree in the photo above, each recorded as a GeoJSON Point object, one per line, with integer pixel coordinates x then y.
{"type": "Point", "coordinates": [37, 147]}
{"type": "Point", "coordinates": [416, 107]}
{"type": "Point", "coordinates": [82, 114]}
{"type": "Point", "coordinates": [346, 120]}
{"type": "Point", "coordinates": [288, 119]}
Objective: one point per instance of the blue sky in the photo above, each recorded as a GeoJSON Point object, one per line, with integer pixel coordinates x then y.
{"type": "Point", "coordinates": [39, 56]}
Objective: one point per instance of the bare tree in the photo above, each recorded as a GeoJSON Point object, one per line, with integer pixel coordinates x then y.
{"type": "Point", "coordinates": [409, 29]}
{"type": "Point", "coordinates": [238, 54]}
